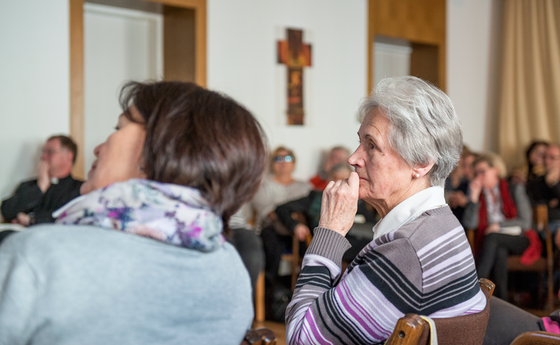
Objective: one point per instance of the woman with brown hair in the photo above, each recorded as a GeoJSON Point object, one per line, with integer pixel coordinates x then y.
{"type": "Point", "coordinates": [497, 209]}
{"type": "Point", "coordinates": [140, 257]}
{"type": "Point", "coordinates": [278, 187]}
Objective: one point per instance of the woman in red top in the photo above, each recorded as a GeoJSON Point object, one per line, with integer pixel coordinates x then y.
{"type": "Point", "coordinates": [501, 214]}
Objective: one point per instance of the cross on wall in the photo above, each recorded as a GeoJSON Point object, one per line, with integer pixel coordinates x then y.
{"type": "Point", "coordinates": [295, 55]}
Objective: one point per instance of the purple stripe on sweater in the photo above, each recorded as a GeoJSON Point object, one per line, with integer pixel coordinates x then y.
{"type": "Point", "coordinates": [311, 326]}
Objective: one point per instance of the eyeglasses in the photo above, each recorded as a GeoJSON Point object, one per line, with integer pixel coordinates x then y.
{"type": "Point", "coordinates": [49, 152]}
{"type": "Point", "coordinates": [280, 159]}
{"type": "Point", "coordinates": [480, 172]}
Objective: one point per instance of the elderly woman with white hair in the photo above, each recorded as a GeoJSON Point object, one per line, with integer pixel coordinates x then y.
{"type": "Point", "coordinates": [419, 260]}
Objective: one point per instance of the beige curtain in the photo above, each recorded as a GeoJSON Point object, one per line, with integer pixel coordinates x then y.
{"type": "Point", "coordinates": [530, 83]}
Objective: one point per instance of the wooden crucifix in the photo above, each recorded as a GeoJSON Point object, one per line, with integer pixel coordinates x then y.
{"type": "Point", "coordinates": [296, 55]}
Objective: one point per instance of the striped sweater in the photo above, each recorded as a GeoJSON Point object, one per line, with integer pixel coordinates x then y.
{"type": "Point", "coordinates": [424, 267]}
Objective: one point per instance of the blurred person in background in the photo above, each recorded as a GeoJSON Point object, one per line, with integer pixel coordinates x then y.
{"type": "Point", "coordinates": [337, 155]}
{"type": "Point", "coordinates": [534, 165]}
{"type": "Point", "coordinates": [545, 190]}
{"type": "Point", "coordinates": [278, 187]}
{"type": "Point", "coordinates": [501, 214]}
{"type": "Point", "coordinates": [34, 201]}
{"type": "Point", "coordinates": [457, 184]}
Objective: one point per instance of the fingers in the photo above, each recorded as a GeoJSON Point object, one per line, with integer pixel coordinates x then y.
{"type": "Point", "coordinates": [339, 204]}
{"type": "Point", "coordinates": [354, 180]}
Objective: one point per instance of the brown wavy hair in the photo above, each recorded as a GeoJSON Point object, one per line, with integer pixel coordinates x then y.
{"type": "Point", "coordinates": [201, 139]}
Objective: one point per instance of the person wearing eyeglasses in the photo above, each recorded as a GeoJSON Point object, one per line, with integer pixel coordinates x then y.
{"type": "Point", "coordinates": [252, 218]}
{"type": "Point", "coordinates": [34, 201]}
{"type": "Point", "coordinates": [501, 214]}
{"type": "Point", "coordinates": [277, 188]}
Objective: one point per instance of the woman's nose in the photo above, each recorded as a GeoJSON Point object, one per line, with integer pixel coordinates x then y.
{"type": "Point", "coordinates": [354, 159]}
{"type": "Point", "coordinates": [96, 150]}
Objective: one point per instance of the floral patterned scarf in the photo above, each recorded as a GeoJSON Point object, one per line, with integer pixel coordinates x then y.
{"type": "Point", "coordinates": [166, 212]}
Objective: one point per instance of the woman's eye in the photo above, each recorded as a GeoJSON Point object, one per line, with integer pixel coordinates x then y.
{"type": "Point", "coordinates": [371, 146]}
{"type": "Point", "coordinates": [117, 128]}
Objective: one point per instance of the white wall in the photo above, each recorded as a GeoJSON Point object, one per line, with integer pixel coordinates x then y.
{"type": "Point", "coordinates": [34, 84]}
{"type": "Point", "coordinates": [242, 63]}
{"type": "Point", "coordinates": [34, 88]}
{"type": "Point", "coordinates": [473, 69]}
{"type": "Point", "coordinates": [390, 60]}
{"type": "Point", "coordinates": [119, 45]}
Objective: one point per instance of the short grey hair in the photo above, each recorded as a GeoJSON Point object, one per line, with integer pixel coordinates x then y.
{"type": "Point", "coordinates": [424, 126]}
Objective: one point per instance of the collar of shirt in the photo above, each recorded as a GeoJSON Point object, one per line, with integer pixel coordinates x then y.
{"type": "Point", "coordinates": [410, 209]}
{"type": "Point", "coordinates": [54, 180]}
{"type": "Point", "coordinates": [493, 204]}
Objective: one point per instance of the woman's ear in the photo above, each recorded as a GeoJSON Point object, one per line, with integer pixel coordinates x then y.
{"type": "Point", "coordinates": [422, 170]}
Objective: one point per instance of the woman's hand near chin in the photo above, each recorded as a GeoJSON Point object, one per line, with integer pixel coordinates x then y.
{"type": "Point", "coordinates": [475, 187]}
{"type": "Point", "coordinates": [340, 204]}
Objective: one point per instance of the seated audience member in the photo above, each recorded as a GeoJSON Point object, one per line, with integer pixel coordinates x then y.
{"type": "Point", "coordinates": [140, 257]}
{"type": "Point", "coordinates": [248, 244]}
{"type": "Point", "coordinates": [34, 201]}
{"type": "Point", "coordinates": [410, 140]}
{"type": "Point", "coordinates": [276, 189]}
{"type": "Point", "coordinates": [337, 155]}
{"type": "Point", "coordinates": [494, 208]}
{"type": "Point", "coordinates": [534, 167]}
{"type": "Point", "coordinates": [457, 184]}
{"type": "Point", "coordinates": [545, 189]}
{"type": "Point", "coordinates": [276, 243]}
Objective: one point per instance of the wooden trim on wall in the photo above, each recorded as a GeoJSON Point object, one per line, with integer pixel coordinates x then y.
{"type": "Point", "coordinates": [199, 7]}
{"type": "Point", "coordinates": [179, 58]}
{"type": "Point", "coordinates": [76, 24]}
{"type": "Point", "coordinates": [421, 22]}
{"type": "Point", "coordinates": [77, 83]}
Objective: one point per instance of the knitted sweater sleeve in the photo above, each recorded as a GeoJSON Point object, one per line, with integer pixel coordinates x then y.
{"type": "Point", "coordinates": [354, 311]}
{"type": "Point", "coordinates": [18, 295]}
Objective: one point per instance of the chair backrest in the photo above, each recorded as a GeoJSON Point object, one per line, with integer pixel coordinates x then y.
{"type": "Point", "coordinates": [537, 338]}
{"type": "Point", "coordinates": [540, 217]}
{"type": "Point", "coordinates": [467, 329]}
{"type": "Point", "coordinates": [260, 336]}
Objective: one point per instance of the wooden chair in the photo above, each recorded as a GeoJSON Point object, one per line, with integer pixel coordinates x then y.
{"type": "Point", "coordinates": [295, 262]}
{"type": "Point", "coordinates": [259, 299]}
{"type": "Point", "coordinates": [259, 336]}
{"type": "Point", "coordinates": [295, 259]}
{"type": "Point", "coordinates": [537, 338]}
{"type": "Point", "coordinates": [543, 264]}
{"type": "Point", "coordinates": [468, 329]}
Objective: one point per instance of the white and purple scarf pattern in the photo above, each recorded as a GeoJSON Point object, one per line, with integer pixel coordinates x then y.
{"type": "Point", "coordinates": [166, 212]}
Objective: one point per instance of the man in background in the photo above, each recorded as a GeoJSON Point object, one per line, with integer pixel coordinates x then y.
{"type": "Point", "coordinates": [337, 155]}
{"type": "Point", "coordinates": [34, 201]}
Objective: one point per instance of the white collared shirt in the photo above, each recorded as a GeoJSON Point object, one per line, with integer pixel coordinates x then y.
{"type": "Point", "coordinates": [410, 209]}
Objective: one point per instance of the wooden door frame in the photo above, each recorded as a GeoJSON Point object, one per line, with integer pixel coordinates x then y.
{"type": "Point", "coordinates": [76, 22]}
{"type": "Point", "coordinates": [410, 27]}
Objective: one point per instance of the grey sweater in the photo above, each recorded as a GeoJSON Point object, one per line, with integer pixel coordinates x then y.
{"type": "Point", "coordinates": [524, 211]}
{"type": "Point", "coordinates": [87, 285]}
